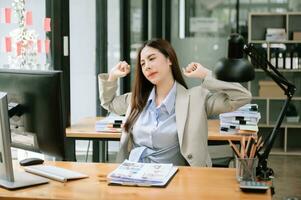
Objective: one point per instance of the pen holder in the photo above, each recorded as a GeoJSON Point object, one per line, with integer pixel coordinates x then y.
{"type": "Point", "coordinates": [246, 169]}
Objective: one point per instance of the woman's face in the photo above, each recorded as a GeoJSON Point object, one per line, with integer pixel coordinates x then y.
{"type": "Point", "coordinates": [155, 66]}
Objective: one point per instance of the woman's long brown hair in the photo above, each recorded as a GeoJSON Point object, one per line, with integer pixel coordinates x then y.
{"type": "Point", "coordinates": [142, 87]}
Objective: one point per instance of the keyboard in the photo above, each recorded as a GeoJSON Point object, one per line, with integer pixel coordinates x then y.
{"type": "Point", "coordinates": [55, 173]}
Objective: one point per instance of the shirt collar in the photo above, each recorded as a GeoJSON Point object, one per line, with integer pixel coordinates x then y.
{"type": "Point", "coordinates": [169, 100]}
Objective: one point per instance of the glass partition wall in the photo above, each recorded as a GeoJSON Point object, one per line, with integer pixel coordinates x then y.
{"type": "Point", "coordinates": [200, 29]}
{"type": "Point", "coordinates": [136, 35]}
{"type": "Point", "coordinates": [34, 35]}
{"type": "Point", "coordinates": [27, 18]}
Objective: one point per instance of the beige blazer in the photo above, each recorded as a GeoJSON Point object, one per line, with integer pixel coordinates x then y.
{"type": "Point", "coordinates": [192, 108]}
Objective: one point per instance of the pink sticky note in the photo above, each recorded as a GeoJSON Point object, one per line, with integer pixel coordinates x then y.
{"type": "Point", "coordinates": [7, 15]}
{"type": "Point", "coordinates": [47, 22]}
{"type": "Point", "coordinates": [28, 18]}
{"type": "Point", "coordinates": [39, 46]}
{"type": "Point", "coordinates": [47, 45]}
{"type": "Point", "coordinates": [8, 46]}
{"type": "Point", "coordinates": [30, 43]}
{"type": "Point", "coordinates": [19, 48]}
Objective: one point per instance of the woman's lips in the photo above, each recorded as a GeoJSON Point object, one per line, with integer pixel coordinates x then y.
{"type": "Point", "coordinates": [152, 74]}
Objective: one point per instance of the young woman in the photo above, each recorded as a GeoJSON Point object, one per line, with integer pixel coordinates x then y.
{"type": "Point", "coordinates": [165, 121]}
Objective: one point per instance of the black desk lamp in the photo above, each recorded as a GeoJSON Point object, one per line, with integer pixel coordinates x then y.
{"type": "Point", "coordinates": [236, 68]}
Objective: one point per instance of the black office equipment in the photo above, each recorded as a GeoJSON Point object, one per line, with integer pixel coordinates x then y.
{"type": "Point", "coordinates": [8, 178]}
{"type": "Point", "coordinates": [236, 68]}
{"type": "Point", "coordinates": [253, 186]}
{"type": "Point", "coordinates": [38, 124]}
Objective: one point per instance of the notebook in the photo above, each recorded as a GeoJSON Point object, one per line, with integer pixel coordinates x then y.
{"type": "Point", "coordinates": [54, 173]}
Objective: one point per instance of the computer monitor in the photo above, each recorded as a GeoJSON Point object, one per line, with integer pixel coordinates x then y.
{"type": "Point", "coordinates": [39, 123]}
{"type": "Point", "coordinates": [8, 178]}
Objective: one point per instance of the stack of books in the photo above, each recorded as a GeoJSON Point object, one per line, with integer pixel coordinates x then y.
{"type": "Point", "coordinates": [242, 121]}
{"type": "Point", "coordinates": [142, 174]}
{"type": "Point", "coordinates": [275, 34]}
{"type": "Point", "coordinates": [112, 123]}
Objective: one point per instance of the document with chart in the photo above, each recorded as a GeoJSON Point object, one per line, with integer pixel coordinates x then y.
{"type": "Point", "coordinates": [142, 174]}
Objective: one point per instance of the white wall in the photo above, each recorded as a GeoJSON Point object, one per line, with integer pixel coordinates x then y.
{"type": "Point", "coordinates": [82, 59]}
{"type": "Point", "coordinates": [113, 33]}
{"type": "Point", "coordinates": [113, 44]}
{"type": "Point", "coordinates": [82, 63]}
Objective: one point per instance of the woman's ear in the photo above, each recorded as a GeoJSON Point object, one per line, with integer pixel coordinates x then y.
{"type": "Point", "coordinates": [169, 62]}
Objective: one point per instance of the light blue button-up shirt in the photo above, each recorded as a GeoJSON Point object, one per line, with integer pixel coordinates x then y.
{"type": "Point", "coordinates": [155, 133]}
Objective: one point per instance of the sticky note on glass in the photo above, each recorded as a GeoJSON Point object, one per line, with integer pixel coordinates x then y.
{"type": "Point", "coordinates": [7, 44]}
{"type": "Point", "coordinates": [47, 45]}
{"type": "Point", "coordinates": [47, 25]}
{"type": "Point", "coordinates": [19, 48]}
{"type": "Point", "coordinates": [6, 15]}
{"type": "Point", "coordinates": [28, 18]}
{"type": "Point", "coordinates": [39, 46]}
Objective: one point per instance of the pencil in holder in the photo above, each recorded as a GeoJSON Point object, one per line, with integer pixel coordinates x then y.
{"type": "Point", "coordinates": [246, 169]}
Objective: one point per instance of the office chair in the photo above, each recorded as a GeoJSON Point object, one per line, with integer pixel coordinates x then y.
{"type": "Point", "coordinates": [220, 159]}
{"type": "Point", "coordinates": [224, 160]}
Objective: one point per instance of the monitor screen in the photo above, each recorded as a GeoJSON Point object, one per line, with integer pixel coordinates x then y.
{"type": "Point", "coordinates": [39, 123]}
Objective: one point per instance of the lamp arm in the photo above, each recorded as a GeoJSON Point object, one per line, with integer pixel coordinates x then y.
{"type": "Point", "coordinates": [289, 89]}
{"type": "Point", "coordinates": [271, 139]}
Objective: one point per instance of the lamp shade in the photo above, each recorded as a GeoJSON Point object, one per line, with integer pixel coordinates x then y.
{"type": "Point", "coordinates": [235, 68]}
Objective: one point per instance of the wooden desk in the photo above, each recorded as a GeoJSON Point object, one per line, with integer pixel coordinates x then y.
{"type": "Point", "coordinates": [85, 129]}
{"type": "Point", "coordinates": [188, 183]}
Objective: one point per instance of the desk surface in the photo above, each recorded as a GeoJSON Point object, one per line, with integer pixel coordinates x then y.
{"type": "Point", "coordinates": [188, 183]}
{"type": "Point", "coordinates": [85, 129]}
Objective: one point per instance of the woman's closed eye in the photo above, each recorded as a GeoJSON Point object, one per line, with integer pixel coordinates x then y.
{"type": "Point", "coordinates": [152, 58]}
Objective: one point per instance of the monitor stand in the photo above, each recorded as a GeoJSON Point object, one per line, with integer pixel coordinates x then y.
{"type": "Point", "coordinates": [8, 178]}
{"type": "Point", "coordinates": [23, 179]}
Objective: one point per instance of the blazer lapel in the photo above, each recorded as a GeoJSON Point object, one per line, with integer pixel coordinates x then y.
{"type": "Point", "coordinates": [182, 101]}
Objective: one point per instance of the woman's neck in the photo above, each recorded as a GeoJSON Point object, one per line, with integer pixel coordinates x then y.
{"type": "Point", "coordinates": [162, 90]}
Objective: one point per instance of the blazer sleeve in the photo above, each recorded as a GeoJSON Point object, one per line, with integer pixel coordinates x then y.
{"type": "Point", "coordinates": [108, 98]}
{"type": "Point", "coordinates": [224, 96]}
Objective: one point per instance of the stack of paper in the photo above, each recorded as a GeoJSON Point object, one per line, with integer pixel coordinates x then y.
{"type": "Point", "coordinates": [275, 34]}
{"type": "Point", "coordinates": [111, 123]}
{"type": "Point", "coordinates": [244, 120]}
{"type": "Point", "coordinates": [142, 174]}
